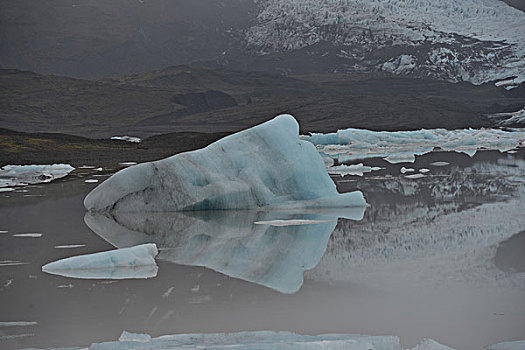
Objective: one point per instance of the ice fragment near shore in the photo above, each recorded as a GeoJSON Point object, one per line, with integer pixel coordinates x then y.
{"type": "Point", "coordinates": [133, 262]}
{"type": "Point", "coordinates": [21, 175]}
{"type": "Point", "coordinates": [266, 166]}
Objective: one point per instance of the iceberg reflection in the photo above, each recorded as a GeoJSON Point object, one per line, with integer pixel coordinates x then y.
{"type": "Point", "coordinates": [229, 241]}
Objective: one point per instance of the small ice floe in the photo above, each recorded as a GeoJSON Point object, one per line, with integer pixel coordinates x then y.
{"type": "Point", "coordinates": [86, 167]}
{"type": "Point", "coordinates": [28, 235]}
{"type": "Point", "coordinates": [136, 262]}
{"type": "Point", "coordinates": [12, 263]}
{"type": "Point", "coordinates": [69, 246]}
{"type": "Point", "coordinates": [134, 337]}
{"type": "Point", "coordinates": [22, 175]}
{"type": "Point", "coordinates": [91, 181]}
{"type": "Point", "coordinates": [7, 189]}
{"type": "Point", "coordinates": [440, 163]}
{"type": "Point", "coordinates": [512, 151]}
{"type": "Point", "coordinates": [509, 345]}
{"type": "Point", "coordinates": [353, 169]}
{"type": "Point", "coordinates": [168, 292]}
{"type": "Point", "coordinates": [127, 138]}
{"type": "Point", "coordinates": [127, 163]}
{"type": "Point", "coordinates": [67, 286]}
{"type": "Point", "coordinates": [415, 176]}
{"type": "Point", "coordinates": [406, 170]}
{"type": "Point", "coordinates": [291, 222]}
{"type": "Point", "coordinates": [196, 288]}
{"type": "Point", "coordinates": [18, 324]}
{"type": "Point", "coordinates": [3, 232]}
{"type": "Point", "coordinates": [424, 170]}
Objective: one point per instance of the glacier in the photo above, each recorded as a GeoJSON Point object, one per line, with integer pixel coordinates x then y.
{"type": "Point", "coordinates": [132, 262]}
{"type": "Point", "coordinates": [402, 146]}
{"type": "Point", "coordinates": [264, 167]}
{"type": "Point", "coordinates": [21, 175]}
{"type": "Point", "coordinates": [234, 243]}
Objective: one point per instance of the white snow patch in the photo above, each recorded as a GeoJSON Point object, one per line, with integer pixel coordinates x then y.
{"type": "Point", "coordinates": [133, 262]}
{"type": "Point", "coordinates": [127, 138]}
{"type": "Point", "coordinates": [291, 222]}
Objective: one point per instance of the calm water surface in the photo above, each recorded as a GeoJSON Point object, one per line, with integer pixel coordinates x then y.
{"type": "Point", "coordinates": [439, 257]}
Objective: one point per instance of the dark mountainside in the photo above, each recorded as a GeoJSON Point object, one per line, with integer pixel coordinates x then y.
{"type": "Point", "coordinates": [188, 98]}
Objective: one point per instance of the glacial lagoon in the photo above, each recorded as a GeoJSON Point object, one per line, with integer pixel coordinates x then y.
{"type": "Point", "coordinates": [429, 258]}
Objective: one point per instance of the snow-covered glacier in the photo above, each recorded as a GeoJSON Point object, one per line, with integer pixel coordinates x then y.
{"type": "Point", "coordinates": [240, 244]}
{"type": "Point", "coordinates": [473, 40]}
{"type": "Point", "coordinates": [264, 167]}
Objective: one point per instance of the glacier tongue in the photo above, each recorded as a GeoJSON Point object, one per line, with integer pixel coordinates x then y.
{"type": "Point", "coordinates": [266, 166]}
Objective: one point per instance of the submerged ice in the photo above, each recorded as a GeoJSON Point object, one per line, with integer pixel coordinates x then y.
{"type": "Point", "coordinates": [402, 146]}
{"type": "Point", "coordinates": [264, 167]}
{"type": "Point", "coordinates": [132, 262]}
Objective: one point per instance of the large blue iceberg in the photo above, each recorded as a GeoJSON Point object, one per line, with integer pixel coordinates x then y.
{"type": "Point", "coordinates": [264, 167]}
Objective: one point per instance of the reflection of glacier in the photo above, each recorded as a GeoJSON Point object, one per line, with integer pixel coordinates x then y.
{"type": "Point", "coordinates": [434, 231]}
{"type": "Point", "coordinates": [229, 242]}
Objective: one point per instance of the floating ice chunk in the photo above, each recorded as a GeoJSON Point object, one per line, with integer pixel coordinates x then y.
{"type": "Point", "coordinates": [21, 175]}
{"type": "Point", "coordinates": [91, 180]}
{"type": "Point", "coordinates": [18, 324]}
{"type": "Point", "coordinates": [86, 167]}
{"type": "Point", "coordinates": [28, 235]}
{"type": "Point", "coordinates": [128, 163]}
{"type": "Point", "coordinates": [510, 345]}
{"type": "Point", "coordinates": [353, 169]}
{"type": "Point", "coordinates": [415, 176]}
{"type": "Point", "coordinates": [429, 344]}
{"type": "Point", "coordinates": [424, 170]}
{"type": "Point", "coordinates": [266, 166]}
{"type": "Point", "coordinates": [134, 337]}
{"type": "Point", "coordinates": [406, 170]}
{"type": "Point", "coordinates": [133, 262]}
{"type": "Point", "coordinates": [12, 263]}
{"type": "Point", "coordinates": [6, 189]}
{"type": "Point", "coordinates": [229, 242]}
{"type": "Point", "coordinates": [127, 138]}
{"type": "Point", "coordinates": [4, 232]}
{"type": "Point", "coordinates": [440, 163]}
{"type": "Point", "coordinates": [196, 288]}
{"type": "Point", "coordinates": [402, 146]}
{"type": "Point", "coordinates": [69, 246]}
{"type": "Point", "coordinates": [290, 222]}
{"type": "Point", "coordinates": [261, 340]}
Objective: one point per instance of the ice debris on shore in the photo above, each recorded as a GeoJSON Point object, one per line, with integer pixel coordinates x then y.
{"type": "Point", "coordinates": [402, 146]}
{"type": "Point", "coordinates": [133, 262]}
{"type": "Point", "coordinates": [21, 175]}
{"type": "Point", "coordinates": [264, 167]}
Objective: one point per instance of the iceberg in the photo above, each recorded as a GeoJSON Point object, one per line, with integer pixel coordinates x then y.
{"type": "Point", "coordinates": [265, 167]}
{"type": "Point", "coordinates": [231, 242]}
{"type": "Point", "coordinates": [402, 146]}
{"type": "Point", "coordinates": [132, 262]}
{"type": "Point", "coordinates": [21, 175]}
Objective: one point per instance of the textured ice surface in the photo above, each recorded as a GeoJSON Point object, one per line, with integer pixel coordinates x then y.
{"type": "Point", "coordinates": [402, 146]}
{"type": "Point", "coordinates": [19, 175]}
{"type": "Point", "coordinates": [229, 241]}
{"type": "Point", "coordinates": [261, 340]}
{"type": "Point", "coordinates": [132, 262]}
{"type": "Point", "coordinates": [267, 166]}
{"type": "Point", "coordinates": [510, 345]}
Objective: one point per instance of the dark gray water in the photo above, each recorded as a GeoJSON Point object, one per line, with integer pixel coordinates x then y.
{"type": "Point", "coordinates": [435, 257]}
